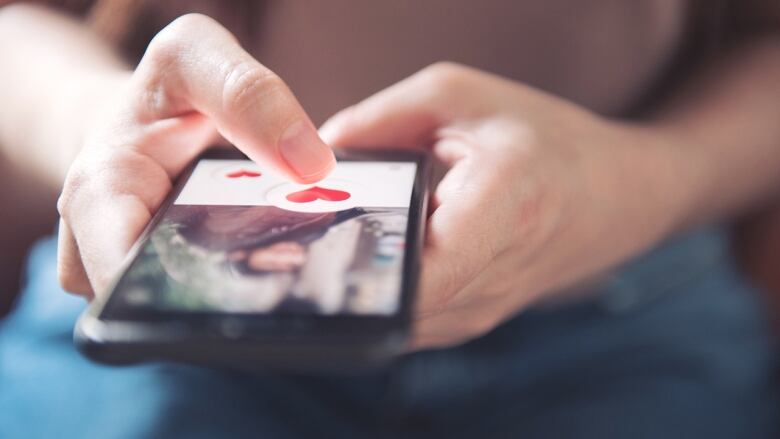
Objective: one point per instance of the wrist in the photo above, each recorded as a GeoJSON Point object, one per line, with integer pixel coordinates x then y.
{"type": "Point", "coordinates": [656, 178]}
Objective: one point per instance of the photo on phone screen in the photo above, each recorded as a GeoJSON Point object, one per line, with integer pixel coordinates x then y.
{"type": "Point", "coordinates": [238, 239]}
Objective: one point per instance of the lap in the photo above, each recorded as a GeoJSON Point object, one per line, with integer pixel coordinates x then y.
{"type": "Point", "coordinates": [674, 345]}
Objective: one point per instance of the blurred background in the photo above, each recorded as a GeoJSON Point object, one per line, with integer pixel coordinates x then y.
{"type": "Point", "coordinates": [618, 58]}
{"type": "Point", "coordinates": [30, 212]}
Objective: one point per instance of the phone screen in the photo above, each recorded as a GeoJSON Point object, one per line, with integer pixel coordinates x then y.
{"type": "Point", "coordinates": [238, 239]}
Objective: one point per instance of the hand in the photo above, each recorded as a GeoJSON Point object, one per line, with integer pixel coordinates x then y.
{"type": "Point", "coordinates": [539, 194]}
{"type": "Point", "coordinates": [193, 82]}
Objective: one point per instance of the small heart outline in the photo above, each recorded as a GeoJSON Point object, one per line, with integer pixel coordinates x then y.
{"type": "Point", "coordinates": [243, 173]}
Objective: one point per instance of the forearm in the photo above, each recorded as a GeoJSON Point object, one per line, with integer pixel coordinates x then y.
{"type": "Point", "coordinates": [55, 79]}
{"type": "Point", "coordinates": [722, 135]}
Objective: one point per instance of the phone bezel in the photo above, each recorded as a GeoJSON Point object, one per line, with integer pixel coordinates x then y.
{"type": "Point", "coordinates": [192, 325]}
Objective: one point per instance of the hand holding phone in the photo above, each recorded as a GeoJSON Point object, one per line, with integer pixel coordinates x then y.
{"type": "Point", "coordinates": [194, 81]}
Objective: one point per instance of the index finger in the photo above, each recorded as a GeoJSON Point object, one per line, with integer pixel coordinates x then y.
{"type": "Point", "coordinates": [195, 64]}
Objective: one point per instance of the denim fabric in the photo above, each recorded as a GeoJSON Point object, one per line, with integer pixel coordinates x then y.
{"type": "Point", "coordinates": [674, 345]}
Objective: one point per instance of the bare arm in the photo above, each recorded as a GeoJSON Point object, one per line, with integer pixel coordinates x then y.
{"type": "Point", "coordinates": [725, 132]}
{"type": "Point", "coordinates": [728, 123]}
{"type": "Point", "coordinates": [55, 79]}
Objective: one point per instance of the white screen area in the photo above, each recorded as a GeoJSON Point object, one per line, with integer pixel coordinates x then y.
{"type": "Point", "coordinates": [237, 183]}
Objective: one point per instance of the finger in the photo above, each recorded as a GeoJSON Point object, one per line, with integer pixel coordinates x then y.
{"type": "Point", "coordinates": [104, 242]}
{"type": "Point", "coordinates": [409, 113]}
{"type": "Point", "coordinates": [105, 205]}
{"type": "Point", "coordinates": [70, 270]}
{"type": "Point", "coordinates": [93, 204]}
{"type": "Point", "coordinates": [194, 64]}
{"type": "Point", "coordinates": [461, 241]}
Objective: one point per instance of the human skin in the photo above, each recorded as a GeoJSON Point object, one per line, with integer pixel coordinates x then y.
{"type": "Point", "coordinates": [540, 194]}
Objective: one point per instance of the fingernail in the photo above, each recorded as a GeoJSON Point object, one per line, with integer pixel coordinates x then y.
{"type": "Point", "coordinates": [303, 150]}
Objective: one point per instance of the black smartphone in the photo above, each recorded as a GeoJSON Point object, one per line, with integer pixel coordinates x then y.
{"type": "Point", "coordinates": [241, 267]}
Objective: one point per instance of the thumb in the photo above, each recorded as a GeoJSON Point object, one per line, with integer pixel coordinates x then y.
{"type": "Point", "coordinates": [196, 65]}
{"type": "Point", "coordinates": [408, 113]}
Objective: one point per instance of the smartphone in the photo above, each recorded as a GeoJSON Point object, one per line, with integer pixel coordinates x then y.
{"type": "Point", "coordinates": [242, 267]}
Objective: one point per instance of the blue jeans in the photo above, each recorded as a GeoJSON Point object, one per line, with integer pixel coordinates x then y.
{"type": "Point", "coordinates": [673, 345]}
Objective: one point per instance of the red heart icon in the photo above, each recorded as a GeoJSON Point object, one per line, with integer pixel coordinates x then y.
{"type": "Point", "coordinates": [243, 173]}
{"type": "Point", "coordinates": [317, 193]}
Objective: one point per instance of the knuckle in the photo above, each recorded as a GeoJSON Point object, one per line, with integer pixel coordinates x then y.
{"type": "Point", "coordinates": [191, 21]}
{"type": "Point", "coordinates": [519, 153]}
{"type": "Point", "coordinates": [74, 183]}
{"type": "Point", "coordinates": [444, 69]}
{"type": "Point", "coordinates": [181, 30]}
{"type": "Point", "coordinates": [444, 77]}
{"type": "Point", "coordinates": [160, 61]}
{"type": "Point", "coordinates": [247, 83]}
{"type": "Point", "coordinates": [167, 48]}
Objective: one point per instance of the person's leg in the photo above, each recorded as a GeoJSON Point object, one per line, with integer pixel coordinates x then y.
{"type": "Point", "coordinates": [675, 346]}
{"type": "Point", "coordinates": [48, 390]}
